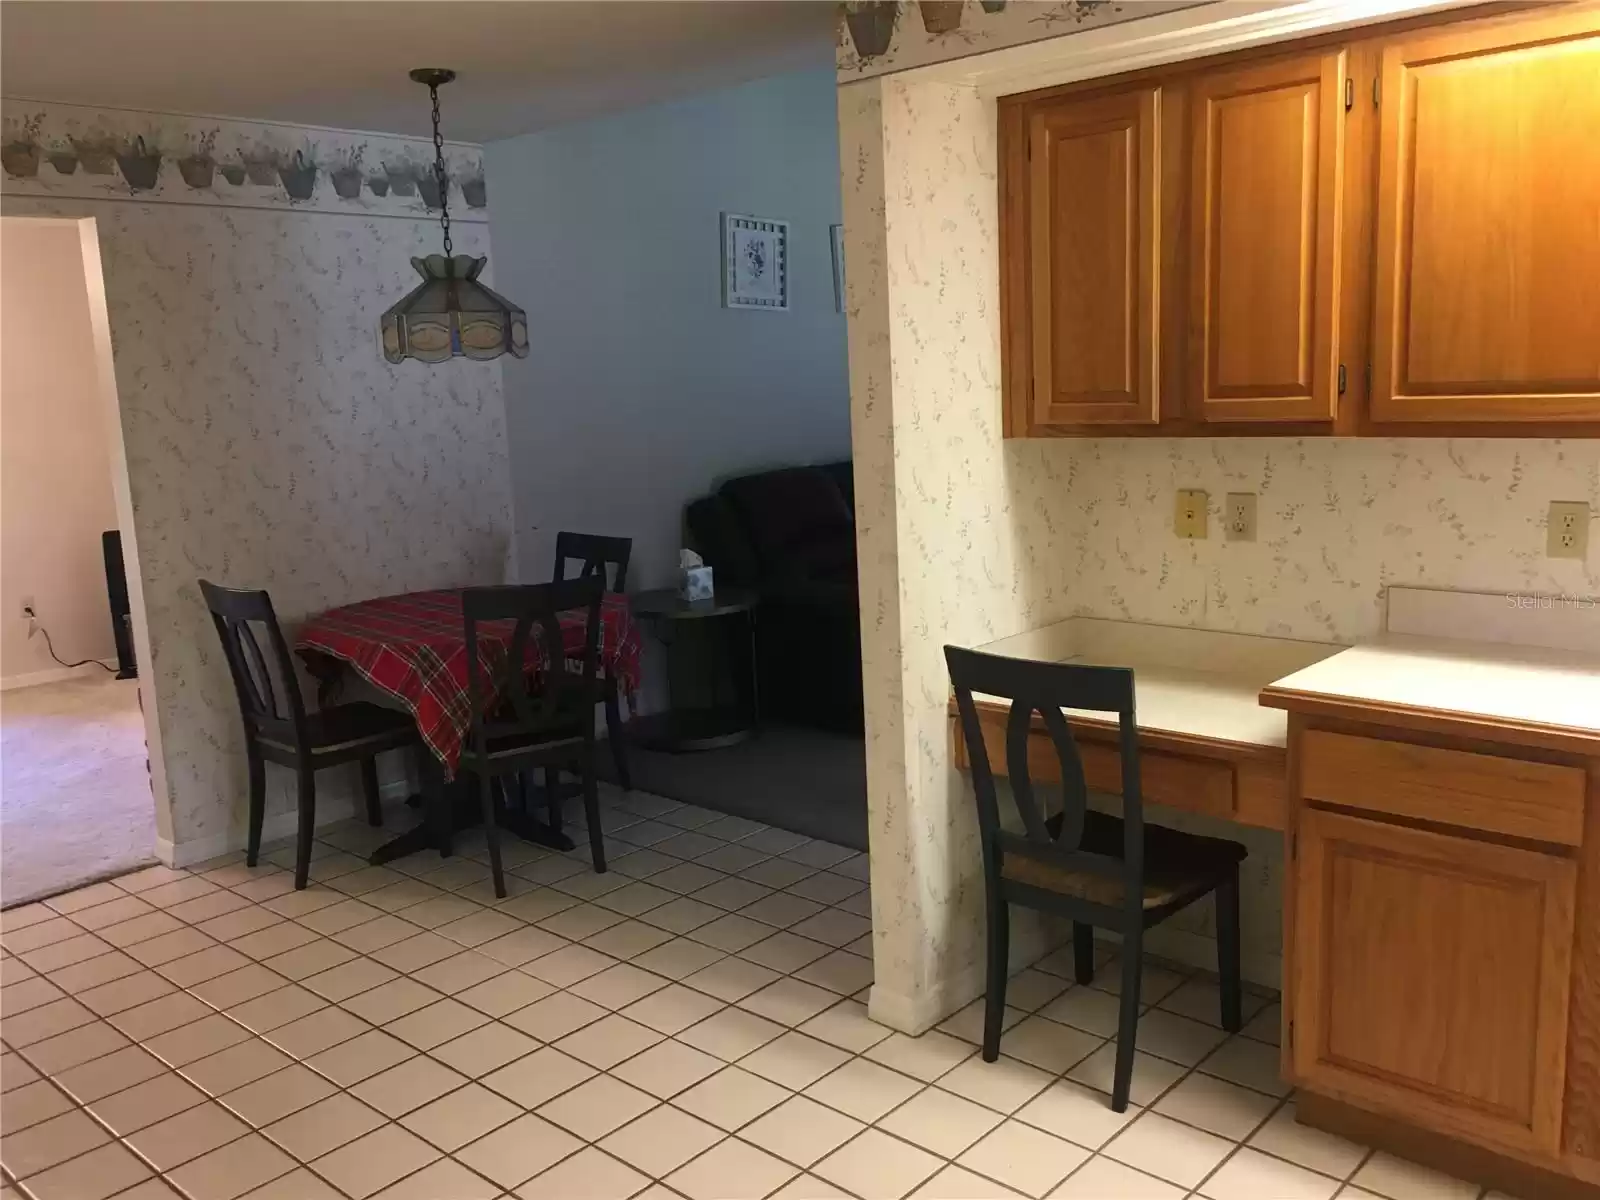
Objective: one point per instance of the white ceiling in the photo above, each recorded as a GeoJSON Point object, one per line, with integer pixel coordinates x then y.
{"type": "Point", "coordinates": [523, 64]}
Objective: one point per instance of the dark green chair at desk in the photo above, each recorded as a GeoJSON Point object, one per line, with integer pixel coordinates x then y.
{"type": "Point", "coordinates": [1100, 870]}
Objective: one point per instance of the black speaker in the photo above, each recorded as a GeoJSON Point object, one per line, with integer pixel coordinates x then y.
{"type": "Point", "coordinates": [117, 592]}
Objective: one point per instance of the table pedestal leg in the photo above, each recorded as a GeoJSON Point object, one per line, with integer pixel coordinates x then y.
{"type": "Point", "coordinates": [461, 811]}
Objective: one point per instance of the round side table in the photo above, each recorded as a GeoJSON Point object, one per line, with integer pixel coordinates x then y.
{"type": "Point", "coordinates": [713, 723]}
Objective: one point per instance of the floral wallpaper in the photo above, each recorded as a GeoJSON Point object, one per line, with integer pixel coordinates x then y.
{"type": "Point", "coordinates": [51, 149]}
{"type": "Point", "coordinates": [270, 445]}
{"type": "Point", "coordinates": [876, 37]}
{"type": "Point", "coordinates": [964, 538]}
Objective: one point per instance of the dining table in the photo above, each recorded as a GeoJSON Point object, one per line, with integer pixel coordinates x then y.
{"type": "Point", "coordinates": [412, 648]}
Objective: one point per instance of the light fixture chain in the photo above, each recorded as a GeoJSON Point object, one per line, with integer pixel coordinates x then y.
{"type": "Point", "coordinates": [439, 174]}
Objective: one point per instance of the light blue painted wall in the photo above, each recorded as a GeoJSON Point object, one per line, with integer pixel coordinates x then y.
{"type": "Point", "coordinates": [641, 390]}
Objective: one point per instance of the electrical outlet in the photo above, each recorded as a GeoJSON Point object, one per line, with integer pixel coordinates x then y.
{"type": "Point", "coordinates": [1241, 519]}
{"type": "Point", "coordinates": [29, 612]}
{"type": "Point", "coordinates": [1189, 519]}
{"type": "Point", "coordinates": [1567, 529]}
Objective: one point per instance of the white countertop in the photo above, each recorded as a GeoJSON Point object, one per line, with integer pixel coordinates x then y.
{"type": "Point", "coordinates": [1494, 680]}
{"type": "Point", "coordinates": [1197, 682]}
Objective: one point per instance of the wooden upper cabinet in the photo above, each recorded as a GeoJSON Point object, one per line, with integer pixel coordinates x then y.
{"type": "Point", "coordinates": [1432, 977]}
{"type": "Point", "coordinates": [1094, 258]}
{"type": "Point", "coordinates": [1488, 227]}
{"type": "Point", "coordinates": [1265, 239]}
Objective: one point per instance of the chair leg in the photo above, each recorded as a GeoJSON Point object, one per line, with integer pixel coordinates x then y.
{"type": "Point", "coordinates": [491, 834]}
{"type": "Point", "coordinates": [552, 797]}
{"type": "Point", "coordinates": [1228, 952]}
{"type": "Point", "coordinates": [369, 786]}
{"type": "Point", "coordinates": [591, 817]}
{"type": "Point", "coordinates": [619, 750]}
{"type": "Point", "coordinates": [1082, 952]}
{"type": "Point", "coordinates": [994, 1001]}
{"type": "Point", "coordinates": [258, 804]}
{"type": "Point", "coordinates": [1128, 1016]}
{"type": "Point", "coordinates": [307, 777]}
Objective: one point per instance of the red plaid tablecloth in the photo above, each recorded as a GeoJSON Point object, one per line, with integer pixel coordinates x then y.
{"type": "Point", "coordinates": [414, 648]}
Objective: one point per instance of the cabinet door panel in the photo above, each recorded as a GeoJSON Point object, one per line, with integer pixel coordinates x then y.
{"type": "Point", "coordinates": [1094, 258]}
{"type": "Point", "coordinates": [1433, 975]}
{"type": "Point", "coordinates": [1265, 243]}
{"type": "Point", "coordinates": [1488, 241]}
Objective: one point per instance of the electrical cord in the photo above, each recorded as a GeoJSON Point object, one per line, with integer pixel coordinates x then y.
{"type": "Point", "coordinates": [50, 646]}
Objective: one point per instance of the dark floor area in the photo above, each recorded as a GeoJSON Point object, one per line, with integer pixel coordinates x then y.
{"type": "Point", "coordinates": [804, 780]}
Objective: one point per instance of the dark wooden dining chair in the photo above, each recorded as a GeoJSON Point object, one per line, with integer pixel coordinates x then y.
{"type": "Point", "coordinates": [283, 732]}
{"type": "Point", "coordinates": [606, 557]}
{"type": "Point", "coordinates": [517, 728]}
{"type": "Point", "coordinates": [1100, 870]}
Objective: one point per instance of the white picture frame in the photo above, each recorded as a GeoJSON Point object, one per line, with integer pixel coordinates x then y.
{"type": "Point", "coordinates": [755, 262]}
{"type": "Point", "coordinates": [836, 236]}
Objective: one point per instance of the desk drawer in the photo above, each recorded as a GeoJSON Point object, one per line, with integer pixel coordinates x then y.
{"type": "Point", "coordinates": [1538, 801]}
{"type": "Point", "coordinates": [1194, 784]}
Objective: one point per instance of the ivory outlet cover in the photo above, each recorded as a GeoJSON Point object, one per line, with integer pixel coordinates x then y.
{"type": "Point", "coordinates": [1189, 519]}
{"type": "Point", "coordinates": [1568, 529]}
{"type": "Point", "coordinates": [1240, 519]}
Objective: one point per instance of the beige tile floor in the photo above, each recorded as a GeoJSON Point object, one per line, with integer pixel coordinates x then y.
{"type": "Point", "coordinates": [691, 1024]}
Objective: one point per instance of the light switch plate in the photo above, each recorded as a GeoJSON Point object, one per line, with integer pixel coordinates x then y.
{"type": "Point", "coordinates": [1240, 521]}
{"type": "Point", "coordinates": [1567, 529]}
{"type": "Point", "coordinates": [1189, 519]}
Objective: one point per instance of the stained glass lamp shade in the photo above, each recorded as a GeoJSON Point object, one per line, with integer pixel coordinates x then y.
{"type": "Point", "coordinates": [450, 314]}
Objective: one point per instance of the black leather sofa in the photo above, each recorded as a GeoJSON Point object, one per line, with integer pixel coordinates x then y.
{"type": "Point", "coordinates": [790, 535]}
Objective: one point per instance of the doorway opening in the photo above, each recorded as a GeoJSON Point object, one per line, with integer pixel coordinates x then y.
{"type": "Point", "coordinates": [76, 802]}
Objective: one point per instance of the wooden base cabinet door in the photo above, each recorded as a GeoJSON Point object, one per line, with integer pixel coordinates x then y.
{"type": "Point", "coordinates": [1488, 227]}
{"type": "Point", "coordinates": [1094, 258]}
{"type": "Point", "coordinates": [1432, 977]}
{"type": "Point", "coordinates": [1266, 239]}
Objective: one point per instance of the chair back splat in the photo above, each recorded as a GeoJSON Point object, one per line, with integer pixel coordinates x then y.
{"type": "Point", "coordinates": [606, 557]}
{"type": "Point", "coordinates": [237, 615]}
{"type": "Point", "coordinates": [1044, 689]}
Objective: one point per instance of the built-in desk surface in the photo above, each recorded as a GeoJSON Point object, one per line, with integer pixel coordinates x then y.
{"type": "Point", "coordinates": [1197, 683]}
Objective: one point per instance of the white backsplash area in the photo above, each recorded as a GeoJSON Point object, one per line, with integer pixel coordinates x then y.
{"type": "Point", "coordinates": [965, 538]}
{"type": "Point", "coordinates": [1338, 521]}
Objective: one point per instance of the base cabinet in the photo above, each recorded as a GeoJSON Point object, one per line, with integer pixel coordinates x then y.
{"type": "Point", "coordinates": [1432, 975]}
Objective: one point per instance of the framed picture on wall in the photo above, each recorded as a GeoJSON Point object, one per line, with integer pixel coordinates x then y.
{"type": "Point", "coordinates": [836, 233]}
{"type": "Point", "coordinates": [755, 262]}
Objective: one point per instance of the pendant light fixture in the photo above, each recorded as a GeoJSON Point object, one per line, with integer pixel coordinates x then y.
{"type": "Point", "coordinates": [450, 313]}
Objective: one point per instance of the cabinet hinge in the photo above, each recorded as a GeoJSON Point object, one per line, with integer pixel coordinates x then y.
{"type": "Point", "coordinates": [1342, 379]}
{"type": "Point", "coordinates": [1349, 94]}
{"type": "Point", "coordinates": [1366, 379]}
{"type": "Point", "coordinates": [1291, 1033]}
{"type": "Point", "coordinates": [1376, 82]}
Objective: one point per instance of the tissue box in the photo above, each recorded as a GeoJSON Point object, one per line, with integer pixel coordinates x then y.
{"type": "Point", "coordinates": [697, 583]}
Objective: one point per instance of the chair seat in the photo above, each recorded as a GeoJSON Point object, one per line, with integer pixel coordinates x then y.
{"type": "Point", "coordinates": [1177, 865]}
{"type": "Point", "coordinates": [351, 726]}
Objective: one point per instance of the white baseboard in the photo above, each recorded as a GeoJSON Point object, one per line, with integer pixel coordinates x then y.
{"type": "Point", "coordinates": [330, 810]}
{"type": "Point", "coordinates": [54, 675]}
{"type": "Point", "coordinates": [916, 1014]}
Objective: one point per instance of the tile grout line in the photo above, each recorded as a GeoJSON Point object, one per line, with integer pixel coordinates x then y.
{"type": "Point", "coordinates": [341, 1089]}
{"type": "Point", "coordinates": [922, 1085]}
